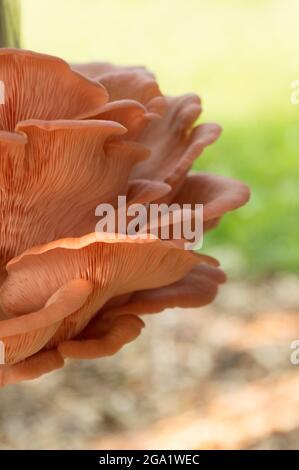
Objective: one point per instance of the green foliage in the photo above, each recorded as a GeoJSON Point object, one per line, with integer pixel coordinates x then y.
{"type": "Point", "coordinates": [262, 237]}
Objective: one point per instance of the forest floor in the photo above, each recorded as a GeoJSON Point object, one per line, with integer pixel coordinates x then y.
{"type": "Point", "coordinates": [215, 378]}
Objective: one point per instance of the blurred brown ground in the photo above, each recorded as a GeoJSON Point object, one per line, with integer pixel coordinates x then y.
{"type": "Point", "coordinates": [215, 378]}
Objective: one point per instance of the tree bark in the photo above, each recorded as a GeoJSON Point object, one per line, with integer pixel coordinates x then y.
{"type": "Point", "coordinates": [10, 27]}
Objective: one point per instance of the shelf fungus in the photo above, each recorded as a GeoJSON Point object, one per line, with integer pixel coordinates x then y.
{"type": "Point", "coordinates": [73, 137]}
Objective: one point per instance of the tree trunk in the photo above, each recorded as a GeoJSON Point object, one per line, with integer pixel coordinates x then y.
{"type": "Point", "coordinates": [10, 23]}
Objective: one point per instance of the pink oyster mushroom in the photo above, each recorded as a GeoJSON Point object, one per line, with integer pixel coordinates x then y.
{"type": "Point", "coordinates": [71, 138]}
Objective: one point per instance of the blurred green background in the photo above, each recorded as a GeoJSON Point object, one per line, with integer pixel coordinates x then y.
{"type": "Point", "coordinates": [240, 56]}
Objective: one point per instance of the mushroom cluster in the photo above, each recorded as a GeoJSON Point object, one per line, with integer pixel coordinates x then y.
{"type": "Point", "coordinates": [73, 137]}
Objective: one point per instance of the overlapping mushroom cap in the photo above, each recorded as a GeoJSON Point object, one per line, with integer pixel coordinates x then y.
{"type": "Point", "coordinates": [70, 139]}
